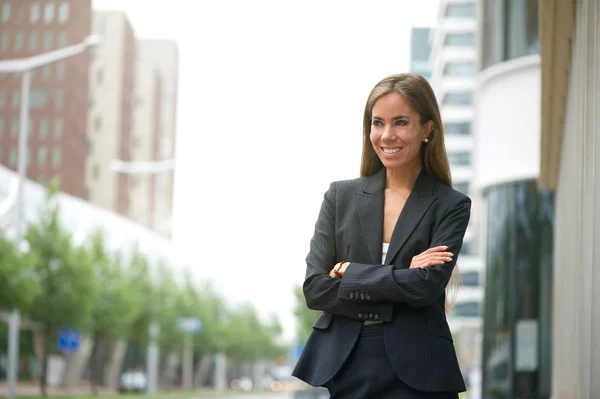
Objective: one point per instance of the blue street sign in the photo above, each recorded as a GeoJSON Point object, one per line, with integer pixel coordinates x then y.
{"type": "Point", "coordinates": [296, 352]}
{"type": "Point", "coordinates": [68, 339]}
{"type": "Point", "coordinates": [190, 325]}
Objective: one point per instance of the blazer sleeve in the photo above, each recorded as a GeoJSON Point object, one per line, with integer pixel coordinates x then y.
{"type": "Point", "coordinates": [417, 287]}
{"type": "Point", "coordinates": [321, 290]}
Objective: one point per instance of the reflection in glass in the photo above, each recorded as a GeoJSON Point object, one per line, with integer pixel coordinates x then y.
{"type": "Point", "coordinates": [517, 291]}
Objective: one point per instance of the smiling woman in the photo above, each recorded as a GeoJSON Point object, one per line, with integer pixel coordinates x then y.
{"type": "Point", "coordinates": [382, 254]}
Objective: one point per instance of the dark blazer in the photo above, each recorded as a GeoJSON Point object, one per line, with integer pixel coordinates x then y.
{"type": "Point", "coordinates": [411, 302]}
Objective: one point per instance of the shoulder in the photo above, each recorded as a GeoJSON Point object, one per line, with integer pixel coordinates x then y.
{"type": "Point", "coordinates": [450, 197]}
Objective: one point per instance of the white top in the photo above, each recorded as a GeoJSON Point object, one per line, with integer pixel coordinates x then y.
{"type": "Point", "coordinates": [384, 251]}
{"type": "Point", "coordinates": [386, 245]}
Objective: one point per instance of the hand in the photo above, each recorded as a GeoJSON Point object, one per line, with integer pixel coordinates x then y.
{"type": "Point", "coordinates": [340, 269]}
{"type": "Point", "coordinates": [431, 257]}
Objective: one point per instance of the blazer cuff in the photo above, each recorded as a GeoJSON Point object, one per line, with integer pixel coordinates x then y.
{"type": "Point", "coordinates": [362, 282]}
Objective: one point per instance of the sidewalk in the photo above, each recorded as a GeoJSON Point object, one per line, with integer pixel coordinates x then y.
{"type": "Point", "coordinates": [31, 388]}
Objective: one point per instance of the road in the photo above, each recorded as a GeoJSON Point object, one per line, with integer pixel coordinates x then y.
{"type": "Point", "coordinates": [259, 396]}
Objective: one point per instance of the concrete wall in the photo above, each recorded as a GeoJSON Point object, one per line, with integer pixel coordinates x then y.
{"type": "Point", "coordinates": [576, 355]}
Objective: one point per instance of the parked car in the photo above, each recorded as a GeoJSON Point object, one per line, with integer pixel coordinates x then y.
{"type": "Point", "coordinates": [133, 381]}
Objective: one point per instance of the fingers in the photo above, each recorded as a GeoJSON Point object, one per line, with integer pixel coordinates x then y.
{"type": "Point", "coordinates": [431, 259]}
{"type": "Point", "coordinates": [434, 249]}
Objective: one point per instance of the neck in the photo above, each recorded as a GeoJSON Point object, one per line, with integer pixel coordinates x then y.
{"type": "Point", "coordinates": [402, 178]}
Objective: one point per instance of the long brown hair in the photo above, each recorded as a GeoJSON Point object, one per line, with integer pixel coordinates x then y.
{"type": "Point", "coordinates": [419, 94]}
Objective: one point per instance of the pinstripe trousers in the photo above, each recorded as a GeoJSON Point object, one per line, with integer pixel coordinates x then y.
{"type": "Point", "coordinates": [367, 373]}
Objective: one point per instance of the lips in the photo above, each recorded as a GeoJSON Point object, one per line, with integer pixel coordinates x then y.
{"type": "Point", "coordinates": [391, 151]}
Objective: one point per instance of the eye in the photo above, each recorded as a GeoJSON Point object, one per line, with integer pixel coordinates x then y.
{"type": "Point", "coordinates": [401, 122]}
{"type": "Point", "coordinates": [376, 122]}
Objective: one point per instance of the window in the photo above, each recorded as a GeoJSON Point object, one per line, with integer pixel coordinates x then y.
{"type": "Point", "coordinates": [63, 12]}
{"type": "Point", "coordinates": [58, 127]}
{"type": "Point", "coordinates": [5, 40]}
{"type": "Point", "coordinates": [37, 98]}
{"type": "Point", "coordinates": [467, 309]}
{"type": "Point", "coordinates": [459, 69]}
{"type": "Point", "coordinates": [1, 125]}
{"type": "Point", "coordinates": [20, 17]}
{"type": "Point", "coordinates": [42, 154]}
{"type": "Point", "coordinates": [61, 40]}
{"type": "Point", "coordinates": [98, 124]}
{"type": "Point", "coordinates": [95, 172]}
{"type": "Point", "coordinates": [457, 99]}
{"type": "Point", "coordinates": [461, 10]}
{"type": "Point", "coordinates": [56, 157]}
{"type": "Point", "coordinates": [458, 128]}
{"type": "Point", "coordinates": [460, 39]}
{"type": "Point", "coordinates": [12, 157]}
{"type": "Point", "coordinates": [5, 11]}
{"type": "Point", "coordinates": [510, 30]}
{"type": "Point", "coordinates": [16, 98]}
{"type": "Point", "coordinates": [469, 279]}
{"type": "Point", "coordinates": [60, 70]}
{"type": "Point", "coordinates": [460, 158]}
{"type": "Point", "coordinates": [34, 13]}
{"type": "Point", "coordinates": [14, 127]}
{"type": "Point", "coordinates": [43, 128]}
{"type": "Point", "coordinates": [47, 41]}
{"type": "Point", "coordinates": [59, 99]}
{"type": "Point", "coordinates": [48, 12]}
{"type": "Point", "coordinates": [518, 288]}
{"type": "Point", "coordinates": [46, 72]}
{"type": "Point", "coordinates": [462, 187]}
{"type": "Point", "coordinates": [32, 41]}
{"type": "Point", "coordinates": [18, 41]}
{"type": "Point", "coordinates": [2, 97]}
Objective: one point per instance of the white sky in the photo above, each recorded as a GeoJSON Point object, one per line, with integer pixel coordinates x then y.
{"type": "Point", "coordinates": [271, 95]}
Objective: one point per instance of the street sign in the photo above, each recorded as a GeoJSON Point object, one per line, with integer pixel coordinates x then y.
{"type": "Point", "coordinates": [191, 325]}
{"type": "Point", "coordinates": [68, 339]}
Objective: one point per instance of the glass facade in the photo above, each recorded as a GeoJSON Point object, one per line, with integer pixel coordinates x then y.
{"type": "Point", "coordinates": [509, 30]}
{"type": "Point", "coordinates": [517, 348]}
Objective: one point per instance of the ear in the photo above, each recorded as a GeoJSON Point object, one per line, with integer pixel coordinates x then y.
{"type": "Point", "coordinates": [427, 129]}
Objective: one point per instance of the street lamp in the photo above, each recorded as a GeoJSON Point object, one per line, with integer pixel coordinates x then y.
{"type": "Point", "coordinates": [26, 66]}
{"type": "Point", "coordinates": [150, 167]}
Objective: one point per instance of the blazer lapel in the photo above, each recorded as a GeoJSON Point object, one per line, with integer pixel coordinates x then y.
{"type": "Point", "coordinates": [370, 211]}
{"type": "Point", "coordinates": [418, 202]}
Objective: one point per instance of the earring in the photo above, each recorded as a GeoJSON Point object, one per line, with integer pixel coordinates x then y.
{"type": "Point", "coordinates": [426, 140]}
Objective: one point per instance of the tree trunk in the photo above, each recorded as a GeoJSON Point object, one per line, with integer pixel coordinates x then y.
{"type": "Point", "coordinates": [78, 361]}
{"type": "Point", "coordinates": [45, 353]}
{"type": "Point", "coordinates": [112, 370]}
{"type": "Point", "coordinates": [203, 370]}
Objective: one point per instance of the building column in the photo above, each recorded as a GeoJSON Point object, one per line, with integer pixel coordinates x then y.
{"type": "Point", "coordinates": [576, 355]}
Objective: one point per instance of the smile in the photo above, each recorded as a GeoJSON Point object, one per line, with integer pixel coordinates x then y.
{"type": "Point", "coordinates": [391, 151]}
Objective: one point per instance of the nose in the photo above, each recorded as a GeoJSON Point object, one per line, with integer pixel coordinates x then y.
{"type": "Point", "coordinates": [388, 133]}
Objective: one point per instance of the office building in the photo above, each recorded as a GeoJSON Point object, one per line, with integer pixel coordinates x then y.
{"type": "Point", "coordinates": [109, 123]}
{"type": "Point", "coordinates": [452, 63]}
{"type": "Point", "coordinates": [58, 95]}
{"type": "Point", "coordinates": [154, 131]}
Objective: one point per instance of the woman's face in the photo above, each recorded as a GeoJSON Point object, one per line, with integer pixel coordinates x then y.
{"type": "Point", "coordinates": [397, 132]}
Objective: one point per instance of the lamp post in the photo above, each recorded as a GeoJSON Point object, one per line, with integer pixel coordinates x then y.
{"type": "Point", "coordinates": [150, 167]}
{"type": "Point", "coordinates": [25, 66]}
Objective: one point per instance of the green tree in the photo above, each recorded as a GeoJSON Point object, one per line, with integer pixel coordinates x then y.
{"type": "Point", "coordinates": [116, 302]}
{"type": "Point", "coordinates": [18, 279]}
{"type": "Point", "coordinates": [305, 317]}
{"type": "Point", "coordinates": [65, 275]}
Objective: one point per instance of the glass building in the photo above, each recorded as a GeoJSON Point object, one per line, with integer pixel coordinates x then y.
{"type": "Point", "coordinates": [518, 221]}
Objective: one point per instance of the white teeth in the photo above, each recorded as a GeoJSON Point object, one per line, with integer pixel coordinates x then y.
{"type": "Point", "coordinates": [391, 150]}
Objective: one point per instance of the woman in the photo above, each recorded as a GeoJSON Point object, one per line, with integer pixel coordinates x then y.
{"type": "Point", "coordinates": [382, 254]}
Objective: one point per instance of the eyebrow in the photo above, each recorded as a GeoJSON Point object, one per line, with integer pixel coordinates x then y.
{"type": "Point", "coordinates": [394, 118]}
